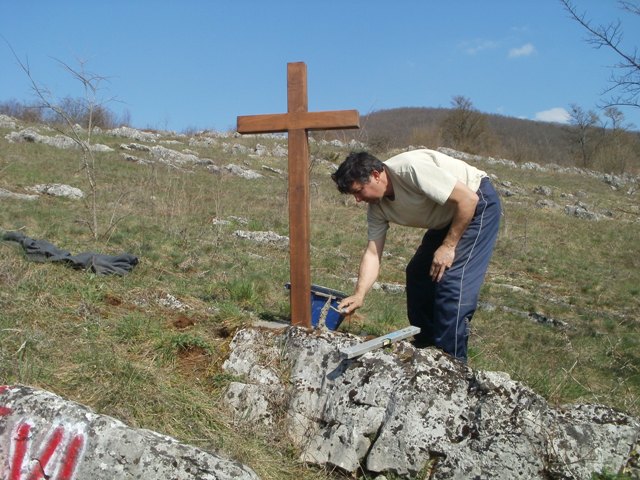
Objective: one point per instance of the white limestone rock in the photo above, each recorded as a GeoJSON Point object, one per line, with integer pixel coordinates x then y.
{"type": "Point", "coordinates": [403, 410]}
{"type": "Point", "coordinates": [58, 190]}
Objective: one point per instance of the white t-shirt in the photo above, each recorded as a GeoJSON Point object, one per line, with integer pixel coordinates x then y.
{"type": "Point", "coordinates": [422, 183]}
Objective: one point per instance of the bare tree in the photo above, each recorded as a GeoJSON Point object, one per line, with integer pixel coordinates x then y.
{"type": "Point", "coordinates": [465, 128]}
{"type": "Point", "coordinates": [67, 112]}
{"type": "Point", "coordinates": [625, 78]}
{"type": "Point", "coordinates": [584, 134]}
{"type": "Point", "coordinates": [618, 154]}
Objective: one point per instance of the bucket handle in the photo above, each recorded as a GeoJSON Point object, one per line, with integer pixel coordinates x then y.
{"type": "Point", "coordinates": [325, 310]}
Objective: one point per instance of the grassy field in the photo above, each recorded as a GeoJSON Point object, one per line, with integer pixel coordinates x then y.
{"type": "Point", "coordinates": [148, 347]}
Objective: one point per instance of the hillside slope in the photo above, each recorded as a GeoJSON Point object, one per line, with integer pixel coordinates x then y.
{"type": "Point", "coordinates": [206, 215]}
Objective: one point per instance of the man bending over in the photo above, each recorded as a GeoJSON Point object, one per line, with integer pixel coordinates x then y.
{"type": "Point", "coordinates": [458, 206]}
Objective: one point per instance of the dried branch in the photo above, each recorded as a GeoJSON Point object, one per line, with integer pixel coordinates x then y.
{"type": "Point", "coordinates": [610, 36]}
{"type": "Point", "coordinates": [625, 86]}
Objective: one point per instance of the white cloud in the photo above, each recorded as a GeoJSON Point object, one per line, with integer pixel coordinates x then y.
{"type": "Point", "coordinates": [476, 46]}
{"type": "Point", "coordinates": [556, 115]}
{"type": "Point", "coordinates": [523, 51]}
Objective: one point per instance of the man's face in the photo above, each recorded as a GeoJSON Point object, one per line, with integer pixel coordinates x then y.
{"type": "Point", "coordinates": [370, 192]}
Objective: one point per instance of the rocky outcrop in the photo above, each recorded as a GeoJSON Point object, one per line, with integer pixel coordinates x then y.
{"type": "Point", "coordinates": [16, 196]}
{"type": "Point", "coordinates": [263, 237]}
{"type": "Point", "coordinates": [128, 132]}
{"type": "Point", "coordinates": [164, 155]}
{"type": "Point", "coordinates": [58, 190]}
{"type": "Point", "coordinates": [235, 170]}
{"type": "Point", "coordinates": [617, 182]}
{"type": "Point", "coordinates": [167, 155]}
{"type": "Point", "coordinates": [45, 436]}
{"type": "Point", "coordinates": [7, 122]}
{"type": "Point", "coordinates": [583, 211]}
{"type": "Point", "coordinates": [29, 135]}
{"type": "Point", "coordinates": [408, 412]}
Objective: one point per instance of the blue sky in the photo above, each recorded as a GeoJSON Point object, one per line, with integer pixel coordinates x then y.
{"type": "Point", "coordinates": [199, 64]}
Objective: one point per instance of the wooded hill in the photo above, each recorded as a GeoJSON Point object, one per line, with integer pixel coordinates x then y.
{"type": "Point", "coordinates": [614, 150]}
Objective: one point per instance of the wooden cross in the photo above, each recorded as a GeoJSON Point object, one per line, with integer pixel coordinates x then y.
{"type": "Point", "coordinates": [297, 122]}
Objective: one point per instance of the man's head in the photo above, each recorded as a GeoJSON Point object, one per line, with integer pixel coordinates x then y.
{"type": "Point", "coordinates": [355, 175]}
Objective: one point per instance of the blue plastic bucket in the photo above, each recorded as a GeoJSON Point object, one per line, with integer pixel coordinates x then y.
{"type": "Point", "coordinates": [324, 306]}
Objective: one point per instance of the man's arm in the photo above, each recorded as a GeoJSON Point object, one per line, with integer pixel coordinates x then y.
{"type": "Point", "coordinates": [464, 201]}
{"type": "Point", "coordinates": [369, 268]}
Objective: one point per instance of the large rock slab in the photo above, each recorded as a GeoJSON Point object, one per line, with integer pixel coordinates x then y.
{"type": "Point", "coordinates": [407, 412]}
{"type": "Point", "coordinates": [44, 436]}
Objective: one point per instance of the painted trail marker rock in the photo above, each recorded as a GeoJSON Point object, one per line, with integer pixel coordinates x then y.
{"type": "Point", "coordinates": [43, 436]}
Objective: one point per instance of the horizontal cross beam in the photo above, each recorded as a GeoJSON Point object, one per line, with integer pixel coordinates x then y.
{"type": "Point", "coordinates": [284, 122]}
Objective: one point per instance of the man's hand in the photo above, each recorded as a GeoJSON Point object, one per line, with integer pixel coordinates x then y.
{"type": "Point", "coordinates": [350, 304]}
{"type": "Point", "coordinates": [442, 259]}
{"type": "Point", "coordinates": [464, 201]}
{"type": "Point", "coordinates": [369, 267]}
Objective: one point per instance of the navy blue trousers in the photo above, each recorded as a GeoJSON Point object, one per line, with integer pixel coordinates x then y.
{"type": "Point", "coordinates": [444, 309]}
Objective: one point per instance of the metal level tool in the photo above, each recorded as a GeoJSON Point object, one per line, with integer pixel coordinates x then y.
{"type": "Point", "coordinates": [383, 341]}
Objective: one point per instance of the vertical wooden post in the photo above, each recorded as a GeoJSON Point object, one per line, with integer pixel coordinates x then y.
{"type": "Point", "coordinates": [299, 202]}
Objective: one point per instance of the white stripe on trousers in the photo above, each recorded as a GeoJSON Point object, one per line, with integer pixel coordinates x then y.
{"type": "Point", "coordinates": [455, 348]}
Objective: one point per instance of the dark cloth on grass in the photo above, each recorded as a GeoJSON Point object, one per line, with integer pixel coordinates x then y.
{"type": "Point", "coordinates": [43, 251]}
